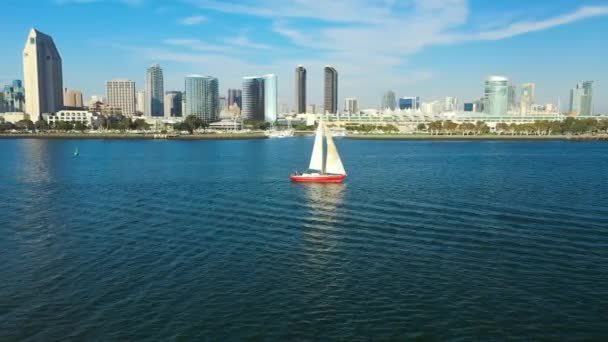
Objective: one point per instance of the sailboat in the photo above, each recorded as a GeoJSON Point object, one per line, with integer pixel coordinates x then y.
{"type": "Point", "coordinates": [325, 169]}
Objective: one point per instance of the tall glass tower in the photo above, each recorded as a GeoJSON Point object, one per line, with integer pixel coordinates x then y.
{"type": "Point", "coordinates": [300, 89]}
{"type": "Point", "coordinates": [331, 90]}
{"type": "Point", "coordinates": [154, 91]}
{"type": "Point", "coordinates": [581, 98]}
{"type": "Point", "coordinates": [271, 100]}
{"type": "Point", "coordinates": [253, 98]}
{"type": "Point", "coordinates": [496, 95]}
{"type": "Point", "coordinates": [202, 97]}
{"type": "Point", "coordinates": [389, 100]}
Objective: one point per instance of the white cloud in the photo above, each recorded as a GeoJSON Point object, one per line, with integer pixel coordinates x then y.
{"type": "Point", "coordinates": [193, 20]}
{"type": "Point", "coordinates": [243, 41]}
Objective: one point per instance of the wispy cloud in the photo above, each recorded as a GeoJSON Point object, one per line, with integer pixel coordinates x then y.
{"type": "Point", "coordinates": [243, 41]}
{"type": "Point", "coordinates": [193, 20]}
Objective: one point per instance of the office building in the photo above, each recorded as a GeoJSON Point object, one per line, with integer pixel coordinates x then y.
{"type": "Point", "coordinates": [121, 94]}
{"type": "Point", "coordinates": [351, 105]}
{"type": "Point", "coordinates": [469, 106]}
{"type": "Point", "coordinates": [496, 95]}
{"type": "Point", "coordinates": [14, 97]}
{"type": "Point", "coordinates": [511, 98]}
{"type": "Point", "coordinates": [389, 101]}
{"type": "Point", "coordinates": [42, 75]}
{"type": "Point", "coordinates": [202, 97]}
{"type": "Point", "coordinates": [271, 99]}
{"type": "Point", "coordinates": [300, 89]}
{"type": "Point", "coordinates": [581, 98]}
{"type": "Point", "coordinates": [412, 103]}
{"type": "Point", "coordinates": [450, 104]}
{"type": "Point", "coordinates": [527, 98]}
{"type": "Point", "coordinates": [72, 99]}
{"type": "Point", "coordinates": [253, 98]}
{"type": "Point", "coordinates": [331, 90]}
{"type": "Point", "coordinates": [154, 92]}
{"type": "Point", "coordinates": [234, 97]}
{"type": "Point", "coordinates": [173, 104]}
{"type": "Point", "coordinates": [141, 102]}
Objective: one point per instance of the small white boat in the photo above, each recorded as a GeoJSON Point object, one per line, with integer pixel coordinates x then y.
{"type": "Point", "coordinates": [280, 134]}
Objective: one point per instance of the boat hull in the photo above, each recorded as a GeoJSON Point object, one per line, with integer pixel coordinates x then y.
{"type": "Point", "coordinates": [317, 178]}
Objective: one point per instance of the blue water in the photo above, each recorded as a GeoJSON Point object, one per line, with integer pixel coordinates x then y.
{"type": "Point", "coordinates": [191, 240]}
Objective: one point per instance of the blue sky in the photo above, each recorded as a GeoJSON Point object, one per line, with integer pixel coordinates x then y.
{"type": "Point", "coordinates": [428, 48]}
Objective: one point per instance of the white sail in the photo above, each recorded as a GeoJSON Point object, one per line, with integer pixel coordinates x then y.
{"type": "Point", "coordinates": [334, 163]}
{"type": "Point", "coordinates": [316, 160]}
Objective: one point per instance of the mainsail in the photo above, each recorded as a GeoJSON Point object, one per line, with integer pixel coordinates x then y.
{"type": "Point", "coordinates": [334, 163]}
{"type": "Point", "coordinates": [316, 160]}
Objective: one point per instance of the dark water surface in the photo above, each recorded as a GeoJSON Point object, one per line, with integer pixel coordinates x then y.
{"type": "Point", "coordinates": [185, 240]}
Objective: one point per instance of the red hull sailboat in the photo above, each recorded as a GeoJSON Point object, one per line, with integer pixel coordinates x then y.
{"type": "Point", "coordinates": [323, 169]}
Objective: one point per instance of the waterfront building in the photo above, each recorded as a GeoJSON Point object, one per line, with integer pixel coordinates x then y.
{"type": "Point", "coordinates": [450, 104]}
{"type": "Point", "coordinates": [72, 99]}
{"type": "Point", "coordinates": [469, 106]}
{"type": "Point", "coordinates": [42, 75]}
{"type": "Point", "coordinates": [409, 103]}
{"type": "Point", "coordinates": [154, 92]}
{"type": "Point", "coordinates": [14, 117]}
{"type": "Point", "coordinates": [331, 90]}
{"type": "Point", "coordinates": [271, 99]}
{"type": "Point", "coordinates": [511, 98]}
{"type": "Point", "coordinates": [300, 89]}
{"type": "Point", "coordinates": [82, 116]}
{"type": "Point", "coordinates": [173, 104]}
{"type": "Point", "coordinates": [223, 103]}
{"type": "Point", "coordinates": [496, 95]}
{"type": "Point", "coordinates": [581, 99]}
{"type": "Point", "coordinates": [253, 98]}
{"type": "Point", "coordinates": [121, 94]}
{"type": "Point", "coordinates": [351, 105]}
{"type": "Point", "coordinates": [234, 97]}
{"type": "Point", "coordinates": [389, 100]}
{"type": "Point", "coordinates": [141, 102]}
{"type": "Point", "coordinates": [202, 97]}
{"type": "Point", "coordinates": [527, 98]}
{"type": "Point", "coordinates": [14, 97]}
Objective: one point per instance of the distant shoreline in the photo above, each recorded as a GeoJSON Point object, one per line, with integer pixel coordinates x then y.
{"type": "Point", "coordinates": [119, 136]}
{"type": "Point", "coordinates": [477, 137]}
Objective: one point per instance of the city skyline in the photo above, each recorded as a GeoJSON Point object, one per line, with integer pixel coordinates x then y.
{"type": "Point", "coordinates": [526, 45]}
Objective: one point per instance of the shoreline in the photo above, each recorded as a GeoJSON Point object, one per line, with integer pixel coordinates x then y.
{"type": "Point", "coordinates": [422, 137]}
{"type": "Point", "coordinates": [120, 136]}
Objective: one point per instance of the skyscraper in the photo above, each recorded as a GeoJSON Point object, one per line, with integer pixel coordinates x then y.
{"type": "Point", "coordinates": [173, 104]}
{"type": "Point", "coordinates": [202, 97]}
{"type": "Point", "coordinates": [351, 105]}
{"type": "Point", "coordinates": [141, 102]}
{"type": "Point", "coordinates": [72, 98]}
{"type": "Point", "coordinates": [271, 99]}
{"type": "Point", "coordinates": [253, 98]}
{"type": "Point", "coordinates": [581, 98]}
{"type": "Point", "coordinates": [527, 97]}
{"type": "Point", "coordinates": [450, 103]}
{"type": "Point", "coordinates": [331, 90]}
{"type": "Point", "coordinates": [300, 89]}
{"type": "Point", "coordinates": [234, 97]}
{"type": "Point", "coordinates": [154, 91]}
{"type": "Point", "coordinates": [42, 75]}
{"type": "Point", "coordinates": [496, 95]}
{"type": "Point", "coordinates": [511, 98]}
{"type": "Point", "coordinates": [121, 94]}
{"type": "Point", "coordinates": [389, 100]}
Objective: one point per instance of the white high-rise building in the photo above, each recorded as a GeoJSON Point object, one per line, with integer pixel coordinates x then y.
{"type": "Point", "coordinates": [121, 94]}
{"type": "Point", "coordinates": [141, 102]}
{"type": "Point", "coordinates": [271, 99]}
{"type": "Point", "coordinates": [351, 105]}
{"type": "Point", "coordinates": [450, 104]}
{"type": "Point", "coordinates": [42, 75]}
{"type": "Point", "coordinates": [527, 98]}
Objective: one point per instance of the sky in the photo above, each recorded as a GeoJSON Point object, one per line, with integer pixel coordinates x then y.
{"type": "Point", "coordinates": [426, 48]}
